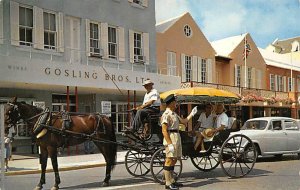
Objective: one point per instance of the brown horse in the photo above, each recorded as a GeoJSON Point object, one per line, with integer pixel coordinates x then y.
{"type": "Point", "coordinates": [90, 124]}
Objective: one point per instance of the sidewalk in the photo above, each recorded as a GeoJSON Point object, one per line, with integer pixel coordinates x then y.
{"type": "Point", "coordinates": [29, 164]}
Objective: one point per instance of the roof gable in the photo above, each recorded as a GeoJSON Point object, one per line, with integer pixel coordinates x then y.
{"type": "Point", "coordinates": [165, 25]}
{"type": "Point", "coordinates": [225, 47]}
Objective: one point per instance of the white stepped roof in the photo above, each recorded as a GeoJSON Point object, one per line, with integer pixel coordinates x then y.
{"type": "Point", "coordinates": [280, 60]}
{"type": "Point", "coordinates": [225, 46]}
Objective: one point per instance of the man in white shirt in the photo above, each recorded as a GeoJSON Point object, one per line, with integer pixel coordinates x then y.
{"type": "Point", "coordinates": [205, 121]}
{"type": "Point", "coordinates": [151, 104]}
{"type": "Point", "coordinates": [221, 124]}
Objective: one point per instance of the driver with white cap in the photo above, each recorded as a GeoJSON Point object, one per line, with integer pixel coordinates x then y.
{"type": "Point", "coordinates": [151, 104]}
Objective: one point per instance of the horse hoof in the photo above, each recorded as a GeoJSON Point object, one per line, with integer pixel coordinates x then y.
{"type": "Point", "coordinates": [105, 184]}
{"type": "Point", "coordinates": [54, 188]}
{"type": "Point", "coordinates": [38, 188]}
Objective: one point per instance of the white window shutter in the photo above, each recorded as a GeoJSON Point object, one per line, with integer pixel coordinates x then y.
{"type": "Point", "coordinates": [87, 37]}
{"type": "Point", "coordinates": [14, 23]}
{"type": "Point", "coordinates": [60, 32]}
{"type": "Point", "coordinates": [199, 60]}
{"type": "Point", "coordinates": [293, 86]}
{"type": "Point", "coordinates": [146, 48]}
{"type": "Point", "coordinates": [258, 79]}
{"type": "Point", "coordinates": [209, 71]}
{"type": "Point", "coordinates": [243, 77]}
{"type": "Point", "coordinates": [276, 83]}
{"type": "Point", "coordinates": [194, 69]}
{"type": "Point", "coordinates": [38, 28]}
{"type": "Point", "coordinates": [131, 46]}
{"type": "Point", "coordinates": [104, 38]}
{"type": "Point", "coordinates": [253, 78]}
{"type": "Point", "coordinates": [121, 35]}
{"type": "Point", "coordinates": [235, 75]}
{"type": "Point", "coordinates": [183, 71]}
{"type": "Point", "coordinates": [169, 62]}
{"type": "Point", "coordinates": [284, 83]}
{"type": "Point", "coordinates": [1, 24]}
{"type": "Point", "coordinates": [145, 3]}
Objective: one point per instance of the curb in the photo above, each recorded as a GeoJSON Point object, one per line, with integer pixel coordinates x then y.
{"type": "Point", "coordinates": [70, 168]}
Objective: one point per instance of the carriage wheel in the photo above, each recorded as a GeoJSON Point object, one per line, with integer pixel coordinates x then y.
{"type": "Point", "coordinates": [237, 156]}
{"type": "Point", "coordinates": [137, 163]}
{"type": "Point", "coordinates": [157, 166]}
{"type": "Point", "coordinates": [207, 162]}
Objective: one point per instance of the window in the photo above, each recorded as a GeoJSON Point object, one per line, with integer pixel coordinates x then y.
{"type": "Point", "coordinates": [138, 51]}
{"type": "Point", "coordinates": [171, 61]}
{"type": "Point", "coordinates": [112, 43]}
{"type": "Point", "coordinates": [279, 83]}
{"type": "Point", "coordinates": [137, 1]}
{"type": "Point", "coordinates": [50, 35]}
{"type": "Point", "coordinates": [25, 25]}
{"type": "Point", "coordinates": [238, 75]}
{"type": "Point", "coordinates": [120, 117]}
{"type": "Point", "coordinates": [289, 84]}
{"type": "Point", "coordinates": [249, 77]}
{"type": "Point", "coordinates": [94, 39]}
{"type": "Point", "coordinates": [291, 125]}
{"type": "Point", "coordinates": [187, 31]}
{"type": "Point", "coordinates": [203, 71]}
{"type": "Point", "coordinates": [188, 68]}
{"type": "Point", "coordinates": [272, 82]}
{"type": "Point", "coordinates": [276, 125]}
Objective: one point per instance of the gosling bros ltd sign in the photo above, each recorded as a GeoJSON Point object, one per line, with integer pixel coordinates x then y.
{"type": "Point", "coordinates": [83, 75]}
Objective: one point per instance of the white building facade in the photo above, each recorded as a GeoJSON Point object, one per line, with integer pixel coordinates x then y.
{"type": "Point", "coordinates": [100, 50]}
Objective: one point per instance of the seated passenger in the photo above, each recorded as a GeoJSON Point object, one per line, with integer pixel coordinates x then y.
{"type": "Point", "coordinates": [221, 124]}
{"type": "Point", "coordinates": [205, 121]}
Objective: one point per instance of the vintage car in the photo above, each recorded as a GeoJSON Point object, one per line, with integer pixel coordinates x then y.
{"type": "Point", "coordinates": [273, 135]}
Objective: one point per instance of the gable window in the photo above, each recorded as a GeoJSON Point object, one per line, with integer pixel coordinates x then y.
{"type": "Point", "coordinates": [138, 51]}
{"type": "Point", "coordinates": [249, 77]}
{"type": "Point", "coordinates": [94, 39]}
{"type": "Point", "coordinates": [171, 61]}
{"type": "Point", "coordinates": [50, 35]}
{"type": "Point", "coordinates": [203, 71]}
{"type": "Point", "coordinates": [25, 25]}
{"type": "Point", "coordinates": [112, 43]}
{"type": "Point", "coordinates": [188, 68]}
{"type": "Point", "coordinates": [187, 31]}
{"type": "Point", "coordinates": [272, 82]}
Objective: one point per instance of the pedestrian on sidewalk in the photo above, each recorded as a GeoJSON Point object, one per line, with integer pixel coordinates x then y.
{"type": "Point", "coordinates": [7, 150]}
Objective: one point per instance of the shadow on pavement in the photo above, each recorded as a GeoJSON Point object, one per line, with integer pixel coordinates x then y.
{"type": "Point", "coordinates": [117, 182]}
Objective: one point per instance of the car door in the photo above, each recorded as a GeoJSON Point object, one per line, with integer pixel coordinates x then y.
{"type": "Point", "coordinates": [274, 139]}
{"type": "Point", "coordinates": [291, 128]}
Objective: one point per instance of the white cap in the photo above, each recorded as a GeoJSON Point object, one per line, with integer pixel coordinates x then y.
{"type": "Point", "coordinates": [148, 81]}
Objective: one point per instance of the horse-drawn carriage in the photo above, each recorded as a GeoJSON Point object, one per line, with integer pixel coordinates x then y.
{"type": "Point", "coordinates": [55, 130]}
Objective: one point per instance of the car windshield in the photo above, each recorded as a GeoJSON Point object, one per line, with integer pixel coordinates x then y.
{"type": "Point", "coordinates": [255, 124]}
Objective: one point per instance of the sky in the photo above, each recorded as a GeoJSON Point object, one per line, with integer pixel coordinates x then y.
{"type": "Point", "coordinates": [265, 20]}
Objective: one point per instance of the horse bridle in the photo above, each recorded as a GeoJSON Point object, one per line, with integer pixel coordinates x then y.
{"type": "Point", "coordinates": [14, 115]}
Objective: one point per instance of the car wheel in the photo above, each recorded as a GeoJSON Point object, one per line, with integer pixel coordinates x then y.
{"type": "Point", "coordinates": [299, 156]}
{"type": "Point", "coordinates": [278, 156]}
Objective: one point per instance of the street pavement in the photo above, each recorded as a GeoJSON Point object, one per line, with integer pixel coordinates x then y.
{"type": "Point", "coordinates": [29, 164]}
